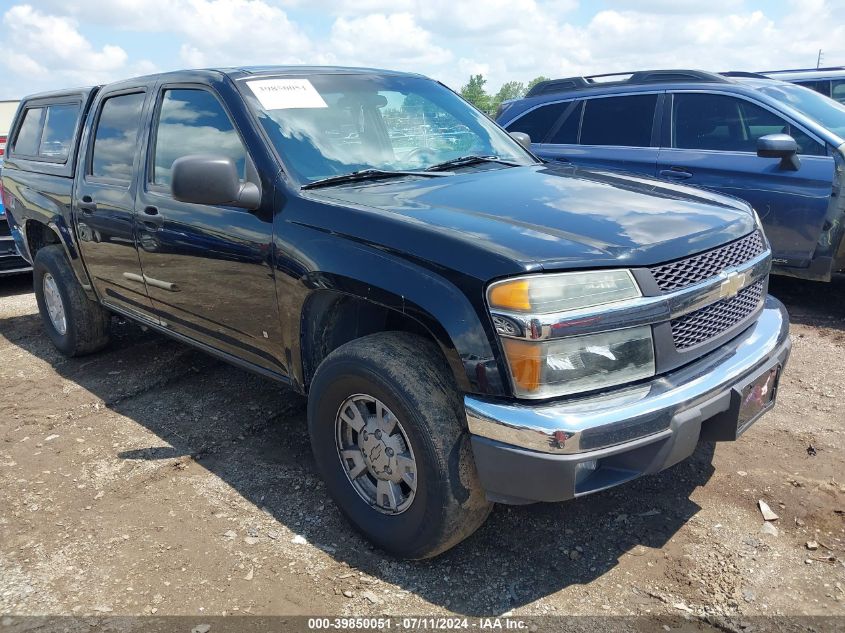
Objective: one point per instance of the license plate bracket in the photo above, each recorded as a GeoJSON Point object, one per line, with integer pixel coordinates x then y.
{"type": "Point", "coordinates": [748, 401]}
{"type": "Point", "coordinates": [756, 397]}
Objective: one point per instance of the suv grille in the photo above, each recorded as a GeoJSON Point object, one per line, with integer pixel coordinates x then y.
{"type": "Point", "coordinates": [689, 271]}
{"type": "Point", "coordinates": [711, 321]}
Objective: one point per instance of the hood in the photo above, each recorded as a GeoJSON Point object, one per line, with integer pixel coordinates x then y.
{"type": "Point", "coordinates": [541, 216]}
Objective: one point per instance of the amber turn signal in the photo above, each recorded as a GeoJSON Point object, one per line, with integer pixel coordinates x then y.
{"type": "Point", "coordinates": [510, 295]}
{"type": "Point", "coordinates": [526, 361]}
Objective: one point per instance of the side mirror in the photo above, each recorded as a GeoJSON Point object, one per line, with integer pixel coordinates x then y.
{"type": "Point", "coordinates": [522, 138]}
{"type": "Point", "coordinates": [781, 146]}
{"type": "Point", "coordinates": [207, 179]}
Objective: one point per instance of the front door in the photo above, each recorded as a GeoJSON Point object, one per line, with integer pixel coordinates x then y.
{"type": "Point", "coordinates": [714, 144]}
{"type": "Point", "coordinates": [208, 268]}
{"type": "Point", "coordinates": [104, 202]}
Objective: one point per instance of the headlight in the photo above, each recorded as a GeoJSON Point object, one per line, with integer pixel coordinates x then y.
{"type": "Point", "coordinates": [543, 294]}
{"type": "Point", "coordinates": [548, 367]}
{"type": "Point", "coordinates": [542, 369]}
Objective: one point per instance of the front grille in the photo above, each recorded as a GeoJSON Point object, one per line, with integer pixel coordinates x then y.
{"type": "Point", "coordinates": [5, 231]}
{"type": "Point", "coordinates": [711, 321]}
{"type": "Point", "coordinates": [689, 271]}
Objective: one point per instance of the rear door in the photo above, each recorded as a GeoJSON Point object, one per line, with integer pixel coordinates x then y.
{"type": "Point", "coordinates": [208, 268]}
{"type": "Point", "coordinates": [104, 199]}
{"type": "Point", "coordinates": [712, 142]}
{"type": "Point", "coordinates": [608, 132]}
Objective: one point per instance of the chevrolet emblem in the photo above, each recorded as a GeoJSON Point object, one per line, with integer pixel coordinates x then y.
{"type": "Point", "coordinates": [732, 285]}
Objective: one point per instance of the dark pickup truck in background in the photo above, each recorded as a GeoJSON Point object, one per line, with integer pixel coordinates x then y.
{"type": "Point", "coordinates": [470, 325]}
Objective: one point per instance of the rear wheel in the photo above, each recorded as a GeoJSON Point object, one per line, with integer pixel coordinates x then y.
{"type": "Point", "coordinates": [74, 323]}
{"type": "Point", "coordinates": [385, 421]}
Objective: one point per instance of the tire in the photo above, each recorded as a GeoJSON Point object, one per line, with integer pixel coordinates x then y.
{"type": "Point", "coordinates": [409, 376]}
{"type": "Point", "coordinates": [86, 322]}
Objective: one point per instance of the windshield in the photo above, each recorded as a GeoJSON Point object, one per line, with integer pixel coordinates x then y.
{"type": "Point", "coordinates": [824, 111]}
{"type": "Point", "coordinates": [333, 124]}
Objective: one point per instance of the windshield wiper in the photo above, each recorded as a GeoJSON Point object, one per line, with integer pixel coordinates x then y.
{"type": "Point", "coordinates": [366, 174]}
{"type": "Point", "coordinates": [470, 160]}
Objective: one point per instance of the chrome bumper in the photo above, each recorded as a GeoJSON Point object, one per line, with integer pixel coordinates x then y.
{"type": "Point", "coordinates": [11, 260]}
{"type": "Point", "coordinates": [578, 425]}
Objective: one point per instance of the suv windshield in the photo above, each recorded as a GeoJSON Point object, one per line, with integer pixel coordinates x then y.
{"type": "Point", "coordinates": [332, 124]}
{"type": "Point", "coordinates": [824, 111]}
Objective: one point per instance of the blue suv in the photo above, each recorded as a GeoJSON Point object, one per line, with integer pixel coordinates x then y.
{"type": "Point", "coordinates": [779, 146]}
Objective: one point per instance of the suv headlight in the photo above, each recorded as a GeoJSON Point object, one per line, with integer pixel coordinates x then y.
{"type": "Point", "coordinates": [545, 294]}
{"type": "Point", "coordinates": [548, 367]}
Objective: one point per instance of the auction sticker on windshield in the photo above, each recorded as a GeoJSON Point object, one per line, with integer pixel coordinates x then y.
{"type": "Point", "coordinates": [281, 94]}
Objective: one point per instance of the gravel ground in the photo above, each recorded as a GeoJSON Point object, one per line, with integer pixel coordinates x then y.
{"type": "Point", "coordinates": [152, 479]}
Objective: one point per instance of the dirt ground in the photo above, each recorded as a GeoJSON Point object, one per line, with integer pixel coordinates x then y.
{"type": "Point", "coordinates": [151, 478]}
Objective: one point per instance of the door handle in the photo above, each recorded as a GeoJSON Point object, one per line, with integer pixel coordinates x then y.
{"type": "Point", "coordinates": [152, 219]}
{"type": "Point", "coordinates": [87, 205]}
{"type": "Point", "coordinates": [678, 173]}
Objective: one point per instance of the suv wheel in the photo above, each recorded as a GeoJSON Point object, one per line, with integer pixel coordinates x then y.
{"type": "Point", "coordinates": [386, 427]}
{"type": "Point", "coordinates": [74, 323]}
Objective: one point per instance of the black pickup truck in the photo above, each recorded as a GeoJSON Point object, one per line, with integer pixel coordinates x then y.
{"type": "Point", "coordinates": [471, 325]}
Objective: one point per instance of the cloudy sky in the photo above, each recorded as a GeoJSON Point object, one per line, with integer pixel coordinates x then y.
{"type": "Point", "coordinates": [50, 44]}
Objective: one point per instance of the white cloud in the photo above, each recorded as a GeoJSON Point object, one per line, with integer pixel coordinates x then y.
{"type": "Point", "coordinates": [213, 32]}
{"type": "Point", "coordinates": [709, 37]}
{"type": "Point", "coordinates": [385, 40]}
{"type": "Point", "coordinates": [237, 32]}
{"type": "Point", "coordinates": [41, 51]}
{"type": "Point", "coordinates": [446, 39]}
{"type": "Point", "coordinates": [57, 43]}
{"type": "Point", "coordinates": [679, 6]}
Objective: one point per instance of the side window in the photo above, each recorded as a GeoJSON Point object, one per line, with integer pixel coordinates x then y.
{"type": "Point", "coordinates": [837, 90]}
{"type": "Point", "coordinates": [59, 127]}
{"type": "Point", "coordinates": [193, 122]}
{"type": "Point", "coordinates": [621, 121]}
{"type": "Point", "coordinates": [567, 130]}
{"type": "Point", "coordinates": [116, 137]}
{"type": "Point", "coordinates": [29, 134]}
{"type": "Point", "coordinates": [723, 123]}
{"type": "Point", "coordinates": [822, 86]}
{"type": "Point", "coordinates": [760, 122]}
{"type": "Point", "coordinates": [539, 122]}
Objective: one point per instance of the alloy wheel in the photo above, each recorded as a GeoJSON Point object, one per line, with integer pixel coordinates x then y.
{"type": "Point", "coordinates": [55, 307]}
{"type": "Point", "coordinates": [375, 453]}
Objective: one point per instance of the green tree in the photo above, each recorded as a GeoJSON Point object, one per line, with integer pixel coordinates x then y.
{"type": "Point", "coordinates": [535, 81]}
{"type": "Point", "coordinates": [474, 93]}
{"type": "Point", "coordinates": [509, 90]}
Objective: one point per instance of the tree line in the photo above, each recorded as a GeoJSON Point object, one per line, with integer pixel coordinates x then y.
{"type": "Point", "coordinates": [475, 93]}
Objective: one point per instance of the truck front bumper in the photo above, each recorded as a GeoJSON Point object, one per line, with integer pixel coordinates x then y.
{"type": "Point", "coordinates": [560, 450]}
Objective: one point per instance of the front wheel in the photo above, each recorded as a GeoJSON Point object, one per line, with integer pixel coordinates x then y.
{"type": "Point", "coordinates": [74, 323]}
{"type": "Point", "coordinates": [384, 417]}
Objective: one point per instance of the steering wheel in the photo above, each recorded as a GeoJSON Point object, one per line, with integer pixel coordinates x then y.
{"type": "Point", "coordinates": [418, 153]}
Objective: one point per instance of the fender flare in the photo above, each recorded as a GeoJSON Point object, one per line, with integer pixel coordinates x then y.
{"type": "Point", "coordinates": [418, 293]}
{"type": "Point", "coordinates": [65, 236]}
